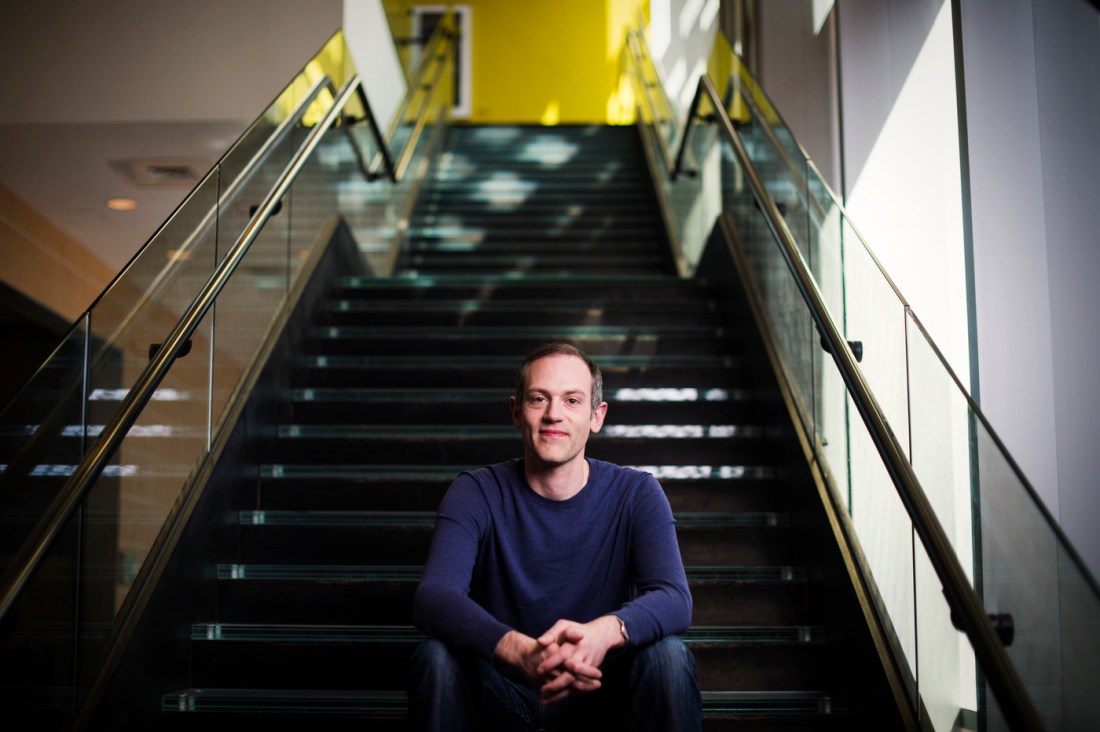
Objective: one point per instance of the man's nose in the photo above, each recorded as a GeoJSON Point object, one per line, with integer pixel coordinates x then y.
{"type": "Point", "coordinates": [553, 410]}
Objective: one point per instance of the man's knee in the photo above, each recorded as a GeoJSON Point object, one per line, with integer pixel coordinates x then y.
{"type": "Point", "coordinates": [665, 688]}
{"type": "Point", "coordinates": [433, 661]}
{"type": "Point", "coordinates": [439, 689]}
{"type": "Point", "coordinates": [664, 661]}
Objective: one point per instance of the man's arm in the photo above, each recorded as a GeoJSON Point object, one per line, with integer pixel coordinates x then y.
{"type": "Point", "coordinates": [662, 605]}
{"type": "Point", "coordinates": [442, 607]}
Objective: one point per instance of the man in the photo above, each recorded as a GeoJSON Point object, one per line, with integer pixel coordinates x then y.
{"type": "Point", "coordinates": [554, 582]}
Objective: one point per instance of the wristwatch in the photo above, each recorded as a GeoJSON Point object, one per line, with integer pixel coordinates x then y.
{"type": "Point", "coordinates": [622, 629]}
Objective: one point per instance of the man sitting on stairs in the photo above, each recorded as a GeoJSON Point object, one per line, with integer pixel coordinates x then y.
{"type": "Point", "coordinates": [554, 584]}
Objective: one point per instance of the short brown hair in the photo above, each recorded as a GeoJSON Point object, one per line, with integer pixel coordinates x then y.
{"type": "Point", "coordinates": [560, 349]}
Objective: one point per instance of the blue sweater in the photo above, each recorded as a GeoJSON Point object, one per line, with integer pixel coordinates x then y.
{"type": "Point", "coordinates": [503, 557]}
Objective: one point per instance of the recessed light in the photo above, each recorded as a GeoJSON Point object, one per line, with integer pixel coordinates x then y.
{"type": "Point", "coordinates": [121, 204]}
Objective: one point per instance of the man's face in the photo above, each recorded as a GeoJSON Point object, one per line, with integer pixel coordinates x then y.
{"type": "Point", "coordinates": [555, 414]}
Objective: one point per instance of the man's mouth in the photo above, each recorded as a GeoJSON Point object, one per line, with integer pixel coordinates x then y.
{"type": "Point", "coordinates": [551, 433]}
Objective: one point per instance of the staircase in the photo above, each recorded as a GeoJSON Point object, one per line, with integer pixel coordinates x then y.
{"type": "Point", "coordinates": [523, 235]}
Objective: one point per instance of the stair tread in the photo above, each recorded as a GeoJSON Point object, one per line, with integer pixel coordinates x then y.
{"type": "Point", "coordinates": [478, 432]}
{"type": "Point", "coordinates": [372, 702]}
{"type": "Point", "coordinates": [407, 634]}
{"type": "Point", "coordinates": [289, 517]}
{"type": "Point", "coordinates": [674, 395]}
{"type": "Point", "coordinates": [448, 472]}
{"type": "Point", "coordinates": [411, 573]}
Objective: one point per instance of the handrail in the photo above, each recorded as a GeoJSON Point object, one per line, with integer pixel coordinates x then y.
{"type": "Point", "coordinates": [972, 406]}
{"type": "Point", "coordinates": [1012, 696]}
{"type": "Point", "coordinates": [396, 171]}
{"type": "Point", "coordinates": [44, 435]}
{"type": "Point", "coordinates": [673, 165]}
{"type": "Point", "coordinates": [421, 118]}
{"type": "Point", "coordinates": [92, 465]}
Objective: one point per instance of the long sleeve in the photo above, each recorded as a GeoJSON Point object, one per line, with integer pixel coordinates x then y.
{"type": "Point", "coordinates": [443, 606]}
{"type": "Point", "coordinates": [505, 558]}
{"type": "Point", "coordinates": [663, 604]}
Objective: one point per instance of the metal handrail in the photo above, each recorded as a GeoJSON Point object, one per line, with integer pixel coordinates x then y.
{"type": "Point", "coordinates": [421, 119]}
{"type": "Point", "coordinates": [277, 134]}
{"type": "Point", "coordinates": [1015, 702]}
{"type": "Point", "coordinates": [672, 164]}
{"type": "Point", "coordinates": [92, 465]}
{"type": "Point", "coordinates": [396, 171]}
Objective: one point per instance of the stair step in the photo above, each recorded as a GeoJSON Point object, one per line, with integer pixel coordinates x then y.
{"type": "Point", "coordinates": [420, 519]}
{"type": "Point", "coordinates": [379, 707]}
{"type": "Point", "coordinates": [591, 243]}
{"type": "Point", "coordinates": [403, 280]}
{"type": "Point", "coordinates": [541, 312]}
{"type": "Point", "coordinates": [596, 340]}
{"type": "Point", "coordinates": [551, 261]}
{"type": "Point", "coordinates": [486, 371]}
{"type": "Point", "coordinates": [522, 226]}
{"type": "Point", "coordinates": [332, 656]}
{"type": "Point", "coordinates": [490, 405]}
{"type": "Point", "coordinates": [487, 444]}
{"type": "Point", "coordinates": [377, 537]}
{"type": "Point", "coordinates": [316, 487]}
{"type": "Point", "coordinates": [561, 205]}
{"type": "Point", "coordinates": [383, 594]}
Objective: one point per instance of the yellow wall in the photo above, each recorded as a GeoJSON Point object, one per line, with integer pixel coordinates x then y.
{"type": "Point", "coordinates": [545, 61]}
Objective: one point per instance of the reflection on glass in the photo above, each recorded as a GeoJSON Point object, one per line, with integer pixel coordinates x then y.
{"type": "Point", "coordinates": [53, 644]}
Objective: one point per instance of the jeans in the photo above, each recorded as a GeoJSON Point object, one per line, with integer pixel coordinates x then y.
{"type": "Point", "coordinates": [649, 688]}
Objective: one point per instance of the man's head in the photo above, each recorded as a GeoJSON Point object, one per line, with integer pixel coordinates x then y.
{"type": "Point", "coordinates": [561, 349]}
{"type": "Point", "coordinates": [558, 403]}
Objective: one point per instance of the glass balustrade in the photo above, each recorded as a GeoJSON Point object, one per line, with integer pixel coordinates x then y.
{"type": "Point", "coordinates": [1015, 556]}
{"type": "Point", "coordinates": [54, 636]}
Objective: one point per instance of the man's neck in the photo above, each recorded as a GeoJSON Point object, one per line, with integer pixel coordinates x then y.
{"type": "Point", "coordinates": [558, 482]}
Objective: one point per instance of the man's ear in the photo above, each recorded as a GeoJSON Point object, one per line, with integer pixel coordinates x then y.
{"type": "Point", "coordinates": [598, 416]}
{"type": "Point", "coordinates": [513, 407]}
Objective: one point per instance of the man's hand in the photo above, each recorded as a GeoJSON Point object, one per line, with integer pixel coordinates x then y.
{"type": "Point", "coordinates": [525, 654]}
{"type": "Point", "coordinates": [573, 653]}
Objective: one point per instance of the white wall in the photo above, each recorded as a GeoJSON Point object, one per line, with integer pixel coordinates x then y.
{"type": "Point", "coordinates": [1033, 108]}
{"type": "Point", "coordinates": [681, 33]}
{"type": "Point", "coordinates": [371, 45]}
{"type": "Point", "coordinates": [797, 67]}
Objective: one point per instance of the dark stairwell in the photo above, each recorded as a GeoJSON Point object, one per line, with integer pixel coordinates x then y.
{"type": "Point", "coordinates": [288, 604]}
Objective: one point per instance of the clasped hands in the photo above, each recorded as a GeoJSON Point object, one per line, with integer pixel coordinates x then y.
{"type": "Point", "coordinates": [565, 659]}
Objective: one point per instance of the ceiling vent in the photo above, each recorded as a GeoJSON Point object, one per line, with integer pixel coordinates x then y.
{"type": "Point", "coordinates": [161, 172]}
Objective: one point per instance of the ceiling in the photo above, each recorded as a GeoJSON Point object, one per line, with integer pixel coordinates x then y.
{"type": "Point", "coordinates": [67, 171]}
{"type": "Point", "coordinates": [95, 84]}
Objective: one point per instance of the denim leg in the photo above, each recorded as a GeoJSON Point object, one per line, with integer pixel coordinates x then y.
{"type": "Point", "coordinates": [450, 690]}
{"type": "Point", "coordinates": [440, 696]}
{"type": "Point", "coordinates": [506, 705]}
{"type": "Point", "coordinates": [663, 688]}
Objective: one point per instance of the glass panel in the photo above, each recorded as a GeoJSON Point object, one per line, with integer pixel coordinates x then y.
{"type": "Point", "coordinates": [875, 318]}
{"type": "Point", "coordinates": [53, 640]}
{"type": "Point", "coordinates": [142, 306]}
{"type": "Point", "coordinates": [1000, 532]}
{"type": "Point", "coordinates": [39, 641]}
{"type": "Point", "coordinates": [885, 534]}
{"type": "Point", "coordinates": [42, 431]}
{"type": "Point", "coordinates": [827, 256]}
{"type": "Point", "coordinates": [434, 76]}
{"type": "Point", "coordinates": [1029, 573]}
{"type": "Point", "coordinates": [939, 419]}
